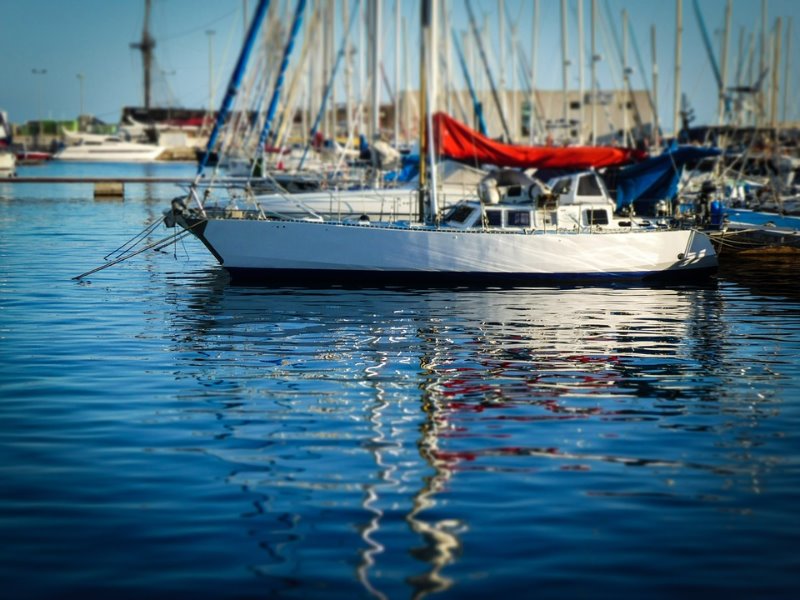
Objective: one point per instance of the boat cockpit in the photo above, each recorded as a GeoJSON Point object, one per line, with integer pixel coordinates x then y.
{"type": "Point", "coordinates": [514, 201]}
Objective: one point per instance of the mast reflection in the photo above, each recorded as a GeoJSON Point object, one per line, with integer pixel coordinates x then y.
{"type": "Point", "coordinates": [488, 374]}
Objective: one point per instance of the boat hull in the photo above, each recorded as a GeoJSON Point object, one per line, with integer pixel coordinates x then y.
{"type": "Point", "coordinates": [300, 251]}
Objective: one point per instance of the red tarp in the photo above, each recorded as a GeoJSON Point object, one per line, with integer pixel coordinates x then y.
{"type": "Point", "coordinates": [457, 141]}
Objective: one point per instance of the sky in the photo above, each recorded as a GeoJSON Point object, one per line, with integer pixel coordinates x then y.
{"type": "Point", "coordinates": [91, 38]}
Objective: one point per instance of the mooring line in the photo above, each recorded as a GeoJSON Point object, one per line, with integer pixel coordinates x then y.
{"type": "Point", "coordinates": [135, 240]}
{"type": "Point", "coordinates": [160, 243]}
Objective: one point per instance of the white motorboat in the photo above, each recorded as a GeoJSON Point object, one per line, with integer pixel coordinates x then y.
{"type": "Point", "coordinates": [107, 148]}
{"type": "Point", "coordinates": [8, 163]}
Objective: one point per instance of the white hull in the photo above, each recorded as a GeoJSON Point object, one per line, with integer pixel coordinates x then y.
{"type": "Point", "coordinates": [110, 152]}
{"type": "Point", "coordinates": [8, 163]}
{"type": "Point", "coordinates": [335, 250]}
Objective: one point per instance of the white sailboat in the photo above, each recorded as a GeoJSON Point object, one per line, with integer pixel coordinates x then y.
{"type": "Point", "coordinates": [559, 234]}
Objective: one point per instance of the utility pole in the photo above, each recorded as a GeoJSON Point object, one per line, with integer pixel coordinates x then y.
{"type": "Point", "coordinates": [210, 34]}
{"type": "Point", "coordinates": [42, 72]}
{"type": "Point", "coordinates": [146, 46]}
{"type": "Point", "coordinates": [80, 84]}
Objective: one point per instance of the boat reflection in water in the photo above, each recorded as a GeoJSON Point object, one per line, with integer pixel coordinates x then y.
{"type": "Point", "coordinates": [401, 440]}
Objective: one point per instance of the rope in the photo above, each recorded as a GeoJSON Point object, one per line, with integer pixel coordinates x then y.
{"type": "Point", "coordinates": [155, 245]}
{"type": "Point", "coordinates": [131, 243]}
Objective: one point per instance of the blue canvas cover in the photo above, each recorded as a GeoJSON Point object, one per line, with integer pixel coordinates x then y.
{"type": "Point", "coordinates": [657, 178]}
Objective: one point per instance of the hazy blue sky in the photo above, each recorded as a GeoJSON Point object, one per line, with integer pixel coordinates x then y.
{"type": "Point", "coordinates": [93, 37]}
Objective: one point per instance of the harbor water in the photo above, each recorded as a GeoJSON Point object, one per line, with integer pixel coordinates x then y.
{"type": "Point", "coordinates": [166, 434]}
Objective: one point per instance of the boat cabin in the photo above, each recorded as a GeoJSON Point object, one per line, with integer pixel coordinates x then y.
{"type": "Point", "coordinates": [578, 201]}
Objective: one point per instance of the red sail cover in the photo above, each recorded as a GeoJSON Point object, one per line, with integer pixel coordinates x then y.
{"type": "Point", "coordinates": [457, 141]}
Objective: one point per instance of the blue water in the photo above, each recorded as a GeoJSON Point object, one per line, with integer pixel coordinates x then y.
{"type": "Point", "coordinates": [165, 434]}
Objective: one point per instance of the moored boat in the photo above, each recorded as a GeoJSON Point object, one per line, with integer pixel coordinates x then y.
{"type": "Point", "coordinates": [107, 148]}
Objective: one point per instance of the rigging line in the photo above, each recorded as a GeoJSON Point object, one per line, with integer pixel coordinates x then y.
{"type": "Point", "coordinates": [172, 36]}
{"type": "Point", "coordinates": [160, 242]}
{"type": "Point", "coordinates": [135, 240]}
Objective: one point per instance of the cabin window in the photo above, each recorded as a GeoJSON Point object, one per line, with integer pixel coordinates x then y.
{"type": "Point", "coordinates": [562, 186]}
{"type": "Point", "coordinates": [596, 217]}
{"type": "Point", "coordinates": [588, 186]}
{"type": "Point", "coordinates": [518, 218]}
{"type": "Point", "coordinates": [574, 105]}
{"type": "Point", "coordinates": [460, 214]}
{"type": "Point", "coordinates": [494, 218]}
{"type": "Point", "coordinates": [514, 191]}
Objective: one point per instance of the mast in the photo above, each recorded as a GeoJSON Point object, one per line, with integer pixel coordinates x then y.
{"type": "Point", "coordinates": [146, 46]}
{"type": "Point", "coordinates": [595, 60]}
{"type": "Point", "coordinates": [374, 10]}
{"type": "Point", "coordinates": [676, 106]}
{"type": "Point", "coordinates": [656, 133]}
{"type": "Point", "coordinates": [762, 61]}
{"type": "Point", "coordinates": [329, 85]}
{"type": "Point", "coordinates": [565, 62]}
{"type": "Point", "coordinates": [448, 73]}
{"type": "Point", "coordinates": [625, 77]}
{"type": "Point", "coordinates": [488, 71]}
{"type": "Point", "coordinates": [433, 61]}
{"type": "Point", "coordinates": [406, 80]}
{"type": "Point", "coordinates": [235, 82]}
{"type": "Point", "coordinates": [724, 63]}
{"type": "Point", "coordinates": [786, 71]}
{"type": "Point", "coordinates": [534, 44]}
{"type": "Point", "coordinates": [396, 73]}
{"type": "Point", "coordinates": [776, 60]}
{"type": "Point", "coordinates": [476, 104]}
{"type": "Point", "coordinates": [273, 103]}
{"type": "Point", "coordinates": [425, 18]}
{"type": "Point", "coordinates": [513, 112]}
{"type": "Point", "coordinates": [580, 71]}
{"type": "Point", "coordinates": [501, 84]}
{"type": "Point", "coordinates": [348, 71]}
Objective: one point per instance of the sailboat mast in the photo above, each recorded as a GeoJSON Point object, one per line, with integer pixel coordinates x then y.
{"type": "Point", "coordinates": [776, 61]}
{"type": "Point", "coordinates": [235, 82]}
{"type": "Point", "coordinates": [676, 107]}
{"type": "Point", "coordinates": [534, 45]}
{"type": "Point", "coordinates": [565, 62]}
{"type": "Point", "coordinates": [375, 66]}
{"type": "Point", "coordinates": [786, 71]}
{"type": "Point", "coordinates": [397, 90]}
{"type": "Point", "coordinates": [580, 71]}
{"type": "Point", "coordinates": [348, 71]}
{"type": "Point", "coordinates": [625, 78]}
{"type": "Point", "coordinates": [432, 56]}
{"type": "Point", "coordinates": [595, 59]}
{"type": "Point", "coordinates": [488, 70]}
{"type": "Point", "coordinates": [146, 46]}
{"type": "Point", "coordinates": [724, 63]}
{"type": "Point", "coordinates": [656, 133]}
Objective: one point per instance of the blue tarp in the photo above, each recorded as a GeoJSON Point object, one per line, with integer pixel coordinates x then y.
{"type": "Point", "coordinates": [657, 178]}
